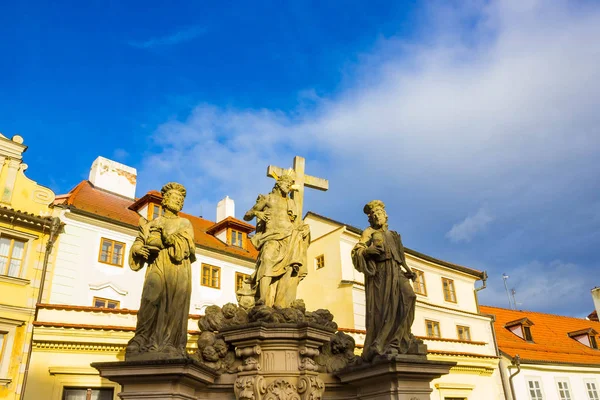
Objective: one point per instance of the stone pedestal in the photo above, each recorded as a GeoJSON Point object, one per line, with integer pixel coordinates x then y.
{"type": "Point", "coordinates": [403, 377]}
{"type": "Point", "coordinates": [178, 379]}
{"type": "Point", "coordinates": [278, 361]}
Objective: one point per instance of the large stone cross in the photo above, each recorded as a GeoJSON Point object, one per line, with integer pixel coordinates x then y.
{"type": "Point", "coordinates": [301, 180]}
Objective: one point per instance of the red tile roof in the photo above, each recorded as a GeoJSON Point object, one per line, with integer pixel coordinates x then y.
{"type": "Point", "coordinates": [550, 333]}
{"type": "Point", "coordinates": [88, 199]}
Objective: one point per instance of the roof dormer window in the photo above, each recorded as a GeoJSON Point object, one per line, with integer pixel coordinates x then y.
{"type": "Point", "coordinates": [521, 328]}
{"type": "Point", "coordinates": [586, 337]}
{"type": "Point", "coordinates": [154, 211]}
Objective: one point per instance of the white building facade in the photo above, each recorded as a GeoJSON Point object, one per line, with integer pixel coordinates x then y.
{"type": "Point", "coordinates": [447, 314]}
{"type": "Point", "coordinates": [546, 356]}
{"type": "Point", "coordinates": [93, 295]}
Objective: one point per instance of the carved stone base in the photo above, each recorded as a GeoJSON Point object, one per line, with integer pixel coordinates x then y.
{"type": "Point", "coordinates": [158, 379]}
{"type": "Point", "coordinates": [405, 377]}
{"type": "Point", "coordinates": [278, 361]}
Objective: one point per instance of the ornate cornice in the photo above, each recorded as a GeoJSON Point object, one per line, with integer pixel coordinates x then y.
{"type": "Point", "coordinates": [77, 347]}
{"type": "Point", "coordinates": [471, 370]}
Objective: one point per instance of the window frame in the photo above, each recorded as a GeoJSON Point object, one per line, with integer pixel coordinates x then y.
{"type": "Point", "coordinates": [118, 303]}
{"type": "Point", "coordinates": [540, 387]}
{"type": "Point", "coordinates": [591, 381]}
{"type": "Point", "coordinates": [320, 260]}
{"type": "Point", "coordinates": [211, 278]}
{"type": "Point", "coordinates": [527, 336]}
{"type": "Point", "coordinates": [435, 324]}
{"type": "Point", "coordinates": [88, 390]}
{"type": "Point", "coordinates": [110, 256]}
{"type": "Point", "coordinates": [151, 208]}
{"type": "Point", "coordinates": [241, 275]}
{"type": "Point", "coordinates": [9, 257]}
{"type": "Point", "coordinates": [593, 342]}
{"type": "Point", "coordinates": [565, 381]}
{"type": "Point", "coordinates": [453, 291]}
{"type": "Point", "coordinates": [4, 334]}
{"type": "Point", "coordinates": [9, 326]}
{"type": "Point", "coordinates": [421, 274]}
{"type": "Point", "coordinates": [239, 235]}
{"type": "Point", "coordinates": [468, 330]}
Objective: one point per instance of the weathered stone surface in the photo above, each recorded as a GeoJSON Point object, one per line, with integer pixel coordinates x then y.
{"type": "Point", "coordinates": [403, 377]}
{"type": "Point", "coordinates": [281, 237]}
{"type": "Point", "coordinates": [338, 353]}
{"type": "Point", "coordinates": [166, 245]}
{"type": "Point", "coordinates": [276, 361]}
{"type": "Point", "coordinates": [390, 297]}
{"type": "Point", "coordinates": [218, 354]}
{"type": "Point", "coordinates": [177, 379]}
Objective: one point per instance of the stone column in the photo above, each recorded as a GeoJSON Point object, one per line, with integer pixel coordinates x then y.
{"type": "Point", "coordinates": [278, 361]}
{"type": "Point", "coordinates": [179, 379]}
{"type": "Point", "coordinates": [405, 377]}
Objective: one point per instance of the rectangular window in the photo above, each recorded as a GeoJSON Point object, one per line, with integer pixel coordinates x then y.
{"type": "Point", "coordinates": [564, 392]}
{"type": "Point", "coordinates": [3, 337]}
{"type": "Point", "coordinates": [12, 252]}
{"type": "Point", "coordinates": [433, 329]}
{"type": "Point", "coordinates": [464, 332]}
{"type": "Point", "coordinates": [320, 261]}
{"type": "Point", "coordinates": [88, 394]}
{"type": "Point", "coordinates": [211, 276]}
{"type": "Point", "coordinates": [593, 343]}
{"type": "Point", "coordinates": [527, 333]}
{"type": "Point", "coordinates": [591, 389]}
{"type": "Point", "coordinates": [535, 389]}
{"type": "Point", "coordinates": [111, 252]}
{"type": "Point", "coordinates": [154, 211]}
{"type": "Point", "coordinates": [449, 292]}
{"type": "Point", "coordinates": [237, 238]}
{"type": "Point", "coordinates": [106, 303]}
{"type": "Point", "coordinates": [239, 280]}
{"type": "Point", "coordinates": [419, 283]}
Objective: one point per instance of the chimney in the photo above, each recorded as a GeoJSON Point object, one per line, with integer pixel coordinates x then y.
{"type": "Point", "coordinates": [225, 208]}
{"type": "Point", "coordinates": [596, 298]}
{"type": "Point", "coordinates": [113, 177]}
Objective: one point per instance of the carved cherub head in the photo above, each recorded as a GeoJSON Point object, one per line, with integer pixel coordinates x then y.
{"type": "Point", "coordinates": [220, 347]}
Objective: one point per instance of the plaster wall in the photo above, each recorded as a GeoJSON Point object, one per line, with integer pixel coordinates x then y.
{"type": "Point", "coordinates": [52, 371]}
{"type": "Point", "coordinates": [114, 177]}
{"type": "Point", "coordinates": [19, 292]}
{"type": "Point", "coordinates": [324, 287]}
{"type": "Point", "coordinates": [548, 376]}
{"type": "Point", "coordinates": [471, 384]}
{"type": "Point", "coordinates": [79, 276]}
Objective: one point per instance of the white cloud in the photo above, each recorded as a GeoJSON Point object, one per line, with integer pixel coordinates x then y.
{"type": "Point", "coordinates": [465, 230]}
{"type": "Point", "coordinates": [506, 109]}
{"type": "Point", "coordinates": [496, 103]}
{"type": "Point", "coordinates": [180, 36]}
{"type": "Point", "coordinates": [120, 154]}
{"type": "Point", "coordinates": [555, 286]}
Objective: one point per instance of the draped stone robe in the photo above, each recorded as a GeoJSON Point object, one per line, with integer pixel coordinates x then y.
{"type": "Point", "coordinates": [161, 330]}
{"type": "Point", "coordinates": [390, 297]}
{"type": "Point", "coordinates": [282, 252]}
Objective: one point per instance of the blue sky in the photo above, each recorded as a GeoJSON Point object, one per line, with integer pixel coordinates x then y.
{"type": "Point", "coordinates": [476, 122]}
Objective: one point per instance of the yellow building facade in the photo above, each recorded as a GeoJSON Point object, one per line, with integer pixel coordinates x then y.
{"type": "Point", "coordinates": [27, 234]}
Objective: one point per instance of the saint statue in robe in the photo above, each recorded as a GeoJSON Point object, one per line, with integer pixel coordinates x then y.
{"type": "Point", "coordinates": [282, 240]}
{"type": "Point", "coordinates": [390, 297]}
{"type": "Point", "coordinates": [166, 245]}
